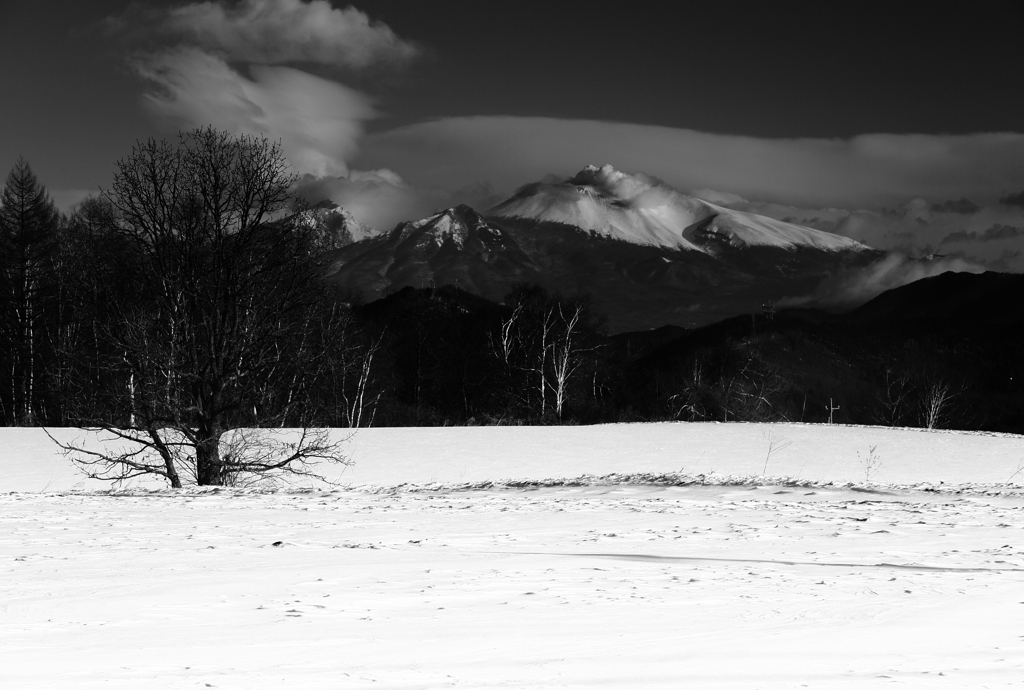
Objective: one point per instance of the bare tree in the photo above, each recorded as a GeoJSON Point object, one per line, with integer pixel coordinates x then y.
{"type": "Point", "coordinates": [936, 398]}
{"type": "Point", "coordinates": [567, 351]}
{"type": "Point", "coordinates": [355, 384]}
{"type": "Point", "coordinates": [542, 345]}
{"type": "Point", "coordinates": [223, 284]}
{"type": "Point", "coordinates": [774, 444]}
{"type": "Point", "coordinates": [870, 462]}
{"type": "Point", "coordinates": [689, 404]}
{"type": "Point", "coordinates": [895, 397]}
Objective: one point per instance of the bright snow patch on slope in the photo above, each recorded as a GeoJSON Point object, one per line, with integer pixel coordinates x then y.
{"type": "Point", "coordinates": [452, 224]}
{"type": "Point", "coordinates": [637, 209]}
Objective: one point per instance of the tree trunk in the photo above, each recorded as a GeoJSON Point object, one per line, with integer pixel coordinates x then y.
{"type": "Point", "coordinates": [209, 468]}
{"type": "Point", "coordinates": [170, 470]}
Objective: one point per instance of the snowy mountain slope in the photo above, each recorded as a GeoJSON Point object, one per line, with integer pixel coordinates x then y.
{"type": "Point", "coordinates": [457, 246]}
{"type": "Point", "coordinates": [340, 226]}
{"type": "Point", "coordinates": [636, 209]}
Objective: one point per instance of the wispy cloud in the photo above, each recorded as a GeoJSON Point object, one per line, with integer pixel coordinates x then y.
{"type": "Point", "coordinates": [232, 65]}
{"type": "Point", "coordinates": [318, 121]}
{"type": "Point", "coordinates": [853, 287]}
{"type": "Point", "coordinates": [284, 31]}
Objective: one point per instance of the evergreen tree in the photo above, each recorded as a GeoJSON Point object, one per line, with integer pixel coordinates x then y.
{"type": "Point", "coordinates": [28, 227]}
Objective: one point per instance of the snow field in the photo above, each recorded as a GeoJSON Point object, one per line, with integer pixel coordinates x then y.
{"type": "Point", "coordinates": [756, 586]}
{"type": "Point", "coordinates": [29, 460]}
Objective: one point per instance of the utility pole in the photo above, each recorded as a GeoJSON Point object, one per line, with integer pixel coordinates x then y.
{"type": "Point", "coordinates": [831, 408]}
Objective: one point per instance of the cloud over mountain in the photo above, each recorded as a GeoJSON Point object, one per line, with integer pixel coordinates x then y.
{"type": "Point", "coordinates": [866, 171]}
{"type": "Point", "coordinates": [855, 286]}
{"type": "Point", "coordinates": [232, 65]}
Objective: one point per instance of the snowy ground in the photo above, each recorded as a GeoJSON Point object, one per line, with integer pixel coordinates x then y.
{"type": "Point", "coordinates": [757, 585]}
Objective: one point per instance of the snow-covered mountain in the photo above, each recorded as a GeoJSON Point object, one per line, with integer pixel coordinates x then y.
{"type": "Point", "coordinates": [457, 246]}
{"type": "Point", "coordinates": [455, 225]}
{"type": "Point", "coordinates": [637, 209]}
{"type": "Point", "coordinates": [338, 225]}
{"type": "Point", "coordinates": [647, 254]}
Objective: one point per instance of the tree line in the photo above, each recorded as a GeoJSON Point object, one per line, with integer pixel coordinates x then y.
{"type": "Point", "coordinates": [450, 358]}
{"type": "Point", "coordinates": [190, 303]}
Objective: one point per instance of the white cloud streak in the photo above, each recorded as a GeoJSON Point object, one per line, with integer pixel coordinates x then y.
{"type": "Point", "coordinates": [284, 31]}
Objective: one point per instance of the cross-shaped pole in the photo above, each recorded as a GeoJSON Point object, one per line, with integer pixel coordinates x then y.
{"type": "Point", "coordinates": [831, 408]}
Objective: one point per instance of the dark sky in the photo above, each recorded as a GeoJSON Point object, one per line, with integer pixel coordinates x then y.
{"type": "Point", "coordinates": [71, 106]}
{"type": "Point", "coordinates": [735, 68]}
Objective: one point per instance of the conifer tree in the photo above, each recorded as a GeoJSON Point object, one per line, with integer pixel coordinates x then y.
{"type": "Point", "coordinates": [28, 228]}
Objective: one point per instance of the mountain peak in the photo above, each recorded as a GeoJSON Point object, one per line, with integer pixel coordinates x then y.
{"type": "Point", "coordinates": [637, 208]}
{"type": "Point", "coordinates": [456, 224]}
{"type": "Point", "coordinates": [336, 224]}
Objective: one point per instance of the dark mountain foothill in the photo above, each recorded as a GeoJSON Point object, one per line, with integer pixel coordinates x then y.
{"type": "Point", "coordinates": [443, 367]}
{"type": "Point", "coordinates": [968, 297]}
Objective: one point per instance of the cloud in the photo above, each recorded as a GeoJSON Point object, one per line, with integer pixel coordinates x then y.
{"type": "Point", "coordinates": [614, 183]}
{"type": "Point", "coordinates": [963, 205]}
{"type": "Point", "coordinates": [1013, 199]}
{"type": "Point", "coordinates": [867, 171]}
{"type": "Point", "coordinates": [382, 199]}
{"type": "Point", "coordinates": [996, 232]}
{"type": "Point", "coordinates": [284, 31]}
{"type": "Point", "coordinates": [318, 121]}
{"type": "Point", "coordinates": [915, 227]}
{"type": "Point", "coordinates": [853, 287]}
{"type": "Point", "coordinates": [228, 66]}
